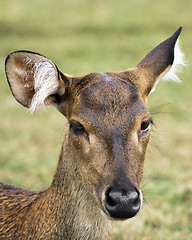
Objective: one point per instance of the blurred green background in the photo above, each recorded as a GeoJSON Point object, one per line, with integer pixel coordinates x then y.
{"type": "Point", "coordinates": [83, 36]}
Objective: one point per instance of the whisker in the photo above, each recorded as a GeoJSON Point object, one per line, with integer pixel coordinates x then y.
{"type": "Point", "coordinates": [158, 109]}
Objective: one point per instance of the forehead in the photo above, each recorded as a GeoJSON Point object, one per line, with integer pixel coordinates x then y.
{"type": "Point", "coordinates": [107, 98]}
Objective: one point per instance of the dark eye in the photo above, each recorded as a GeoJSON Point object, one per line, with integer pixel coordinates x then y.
{"type": "Point", "coordinates": [77, 127]}
{"type": "Point", "coordinates": [145, 125]}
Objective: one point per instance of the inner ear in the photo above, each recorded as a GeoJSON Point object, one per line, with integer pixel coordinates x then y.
{"type": "Point", "coordinates": [34, 79]}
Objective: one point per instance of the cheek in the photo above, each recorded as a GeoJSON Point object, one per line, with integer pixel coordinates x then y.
{"type": "Point", "coordinates": [143, 142]}
{"type": "Point", "coordinates": [142, 149]}
{"type": "Point", "coordinates": [138, 143]}
{"type": "Point", "coordinates": [135, 156]}
{"type": "Point", "coordinates": [90, 158]}
{"type": "Point", "coordinates": [80, 142]}
{"type": "Point", "coordinates": [93, 169]}
{"type": "Point", "coordinates": [140, 171]}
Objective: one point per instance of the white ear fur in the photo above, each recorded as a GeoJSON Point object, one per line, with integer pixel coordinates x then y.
{"type": "Point", "coordinates": [46, 83]}
{"type": "Point", "coordinates": [178, 64]}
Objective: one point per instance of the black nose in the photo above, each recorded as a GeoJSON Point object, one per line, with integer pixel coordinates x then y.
{"type": "Point", "coordinates": [122, 204]}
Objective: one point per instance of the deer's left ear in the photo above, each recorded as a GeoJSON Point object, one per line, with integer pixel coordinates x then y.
{"type": "Point", "coordinates": [162, 62]}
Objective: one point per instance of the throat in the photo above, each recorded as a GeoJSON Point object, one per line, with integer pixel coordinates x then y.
{"type": "Point", "coordinates": [89, 222]}
{"type": "Point", "coordinates": [80, 217]}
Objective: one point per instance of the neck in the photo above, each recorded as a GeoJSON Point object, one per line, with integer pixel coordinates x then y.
{"type": "Point", "coordinates": [82, 218]}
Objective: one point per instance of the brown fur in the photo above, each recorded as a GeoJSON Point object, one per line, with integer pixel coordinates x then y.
{"type": "Point", "coordinates": [104, 146]}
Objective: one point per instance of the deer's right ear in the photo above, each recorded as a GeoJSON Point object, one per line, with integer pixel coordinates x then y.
{"type": "Point", "coordinates": [164, 61]}
{"type": "Point", "coordinates": [34, 80]}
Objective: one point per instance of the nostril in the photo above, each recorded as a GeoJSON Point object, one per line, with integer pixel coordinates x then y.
{"type": "Point", "coordinates": [109, 198]}
{"type": "Point", "coordinates": [135, 199]}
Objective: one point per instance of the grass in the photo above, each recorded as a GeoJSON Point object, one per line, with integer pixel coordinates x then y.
{"type": "Point", "coordinates": [84, 36]}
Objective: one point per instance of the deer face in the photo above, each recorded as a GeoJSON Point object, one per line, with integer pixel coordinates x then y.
{"type": "Point", "coordinates": [109, 132]}
{"type": "Point", "coordinates": [109, 124]}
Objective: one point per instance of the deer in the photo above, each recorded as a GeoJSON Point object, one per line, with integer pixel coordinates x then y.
{"type": "Point", "coordinates": [101, 164]}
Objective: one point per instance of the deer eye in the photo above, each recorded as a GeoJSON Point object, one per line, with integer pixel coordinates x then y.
{"type": "Point", "coordinates": [77, 127]}
{"type": "Point", "coordinates": [145, 125]}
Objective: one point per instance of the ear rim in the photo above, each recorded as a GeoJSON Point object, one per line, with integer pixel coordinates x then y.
{"type": "Point", "coordinates": [58, 76]}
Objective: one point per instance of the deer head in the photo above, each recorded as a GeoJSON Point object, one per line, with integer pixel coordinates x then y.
{"type": "Point", "coordinates": [108, 121]}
